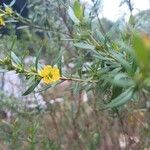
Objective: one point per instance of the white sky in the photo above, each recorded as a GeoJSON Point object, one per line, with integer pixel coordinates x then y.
{"type": "Point", "coordinates": [112, 11]}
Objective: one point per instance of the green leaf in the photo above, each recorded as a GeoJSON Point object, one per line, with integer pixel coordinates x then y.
{"type": "Point", "coordinates": [141, 52]}
{"type": "Point", "coordinates": [49, 86]}
{"type": "Point", "coordinates": [132, 20]}
{"type": "Point", "coordinates": [95, 141]}
{"type": "Point", "coordinates": [121, 99]}
{"type": "Point", "coordinates": [13, 43]}
{"type": "Point", "coordinates": [84, 46]}
{"type": "Point", "coordinates": [78, 10]}
{"type": "Point", "coordinates": [30, 80]}
{"type": "Point", "coordinates": [123, 61]}
{"type": "Point", "coordinates": [122, 80]}
{"type": "Point", "coordinates": [15, 59]}
{"type": "Point", "coordinates": [96, 54]}
{"type": "Point", "coordinates": [31, 88]}
{"type": "Point", "coordinates": [72, 16]}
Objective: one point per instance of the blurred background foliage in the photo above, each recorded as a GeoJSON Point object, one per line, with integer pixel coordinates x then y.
{"type": "Point", "coordinates": [111, 61]}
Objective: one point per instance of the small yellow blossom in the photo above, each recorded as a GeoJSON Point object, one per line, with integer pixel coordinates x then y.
{"type": "Point", "coordinates": [8, 10]}
{"type": "Point", "coordinates": [49, 74]}
{"type": "Point", "coordinates": [2, 22]}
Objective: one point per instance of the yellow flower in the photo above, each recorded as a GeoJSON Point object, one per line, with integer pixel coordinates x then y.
{"type": "Point", "coordinates": [2, 22]}
{"type": "Point", "coordinates": [49, 74]}
{"type": "Point", "coordinates": [8, 10]}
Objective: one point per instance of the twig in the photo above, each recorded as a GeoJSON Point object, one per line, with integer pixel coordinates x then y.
{"type": "Point", "coordinates": [78, 80]}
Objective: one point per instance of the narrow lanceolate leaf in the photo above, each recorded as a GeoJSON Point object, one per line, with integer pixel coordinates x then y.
{"type": "Point", "coordinates": [123, 61]}
{"type": "Point", "coordinates": [122, 80]}
{"type": "Point", "coordinates": [72, 16]}
{"type": "Point", "coordinates": [49, 86]}
{"type": "Point", "coordinates": [121, 99]}
{"type": "Point", "coordinates": [15, 59]}
{"type": "Point", "coordinates": [31, 88]}
{"type": "Point", "coordinates": [78, 10]}
{"type": "Point", "coordinates": [84, 46]}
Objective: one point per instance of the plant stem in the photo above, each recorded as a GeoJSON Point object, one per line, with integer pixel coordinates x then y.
{"type": "Point", "coordinates": [78, 80]}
